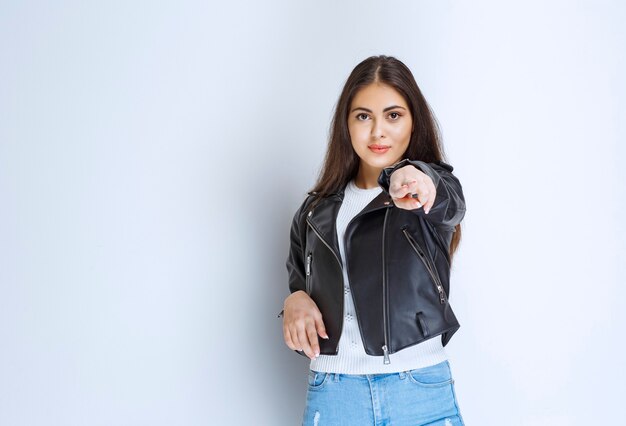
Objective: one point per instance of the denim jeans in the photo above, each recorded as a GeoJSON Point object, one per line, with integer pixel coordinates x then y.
{"type": "Point", "coordinates": [424, 396]}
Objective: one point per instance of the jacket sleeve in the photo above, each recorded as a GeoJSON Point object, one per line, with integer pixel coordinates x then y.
{"type": "Point", "coordinates": [295, 256]}
{"type": "Point", "coordinates": [449, 207]}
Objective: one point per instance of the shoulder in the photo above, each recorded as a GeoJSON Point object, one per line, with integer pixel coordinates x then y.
{"type": "Point", "coordinates": [314, 200]}
{"type": "Point", "coordinates": [305, 205]}
{"type": "Point", "coordinates": [446, 166]}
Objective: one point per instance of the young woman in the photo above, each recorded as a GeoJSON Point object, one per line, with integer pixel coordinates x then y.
{"type": "Point", "coordinates": [369, 261]}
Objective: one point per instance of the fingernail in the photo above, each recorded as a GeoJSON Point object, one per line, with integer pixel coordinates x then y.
{"type": "Point", "coordinates": [325, 337]}
{"type": "Point", "coordinates": [317, 354]}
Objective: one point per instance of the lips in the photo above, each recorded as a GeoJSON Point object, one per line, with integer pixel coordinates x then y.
{"type": "Point", "coordinates": [379, 149]}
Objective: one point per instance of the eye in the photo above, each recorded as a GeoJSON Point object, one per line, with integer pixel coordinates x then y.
{"type": "Point", "coordinates": [396, 115]}
{"type": "Point", "coordinates": [358, 117]}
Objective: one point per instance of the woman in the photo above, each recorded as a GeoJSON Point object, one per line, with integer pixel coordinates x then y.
{"type": "Point", "coordinates": [369, 261]}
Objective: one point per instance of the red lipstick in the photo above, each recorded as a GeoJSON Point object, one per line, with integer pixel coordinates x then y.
{"type": "Point", "coordinates": [379, 149]}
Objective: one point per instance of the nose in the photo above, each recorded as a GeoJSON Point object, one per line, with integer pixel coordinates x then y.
{"type": "Point", "coordinates": [377, 129]}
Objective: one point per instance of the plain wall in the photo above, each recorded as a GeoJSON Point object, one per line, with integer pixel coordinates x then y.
{"type": "Point", "coordinates": [152, 155]}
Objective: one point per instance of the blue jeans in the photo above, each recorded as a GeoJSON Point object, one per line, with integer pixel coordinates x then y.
{"type": "Point", "coordinates": [424, 396]}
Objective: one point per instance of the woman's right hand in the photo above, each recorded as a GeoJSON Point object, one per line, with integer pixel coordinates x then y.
{"type": "Point", "coordinates": [302, 321]}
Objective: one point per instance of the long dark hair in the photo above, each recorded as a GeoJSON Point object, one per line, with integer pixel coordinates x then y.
{"type": "Point", "coordinates": [341, 162]}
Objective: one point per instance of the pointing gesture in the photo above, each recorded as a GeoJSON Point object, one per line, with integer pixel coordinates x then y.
{"type": "Point", "coordinates": [410, 189]}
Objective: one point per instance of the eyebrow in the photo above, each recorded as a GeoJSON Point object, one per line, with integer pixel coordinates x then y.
{"type": "Point", "coordinates": [385, 110]}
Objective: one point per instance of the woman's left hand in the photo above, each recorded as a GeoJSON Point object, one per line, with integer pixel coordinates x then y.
{"type": "Point", "coordinates": [407, 181]}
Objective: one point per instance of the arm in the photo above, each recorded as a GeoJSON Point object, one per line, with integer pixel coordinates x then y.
{"type": "Point", "coordinates": [302, 320]}
{"type": "Point", "coordinates": [295, 256]}
{"type": "Point", "coordinates": [448, 208]}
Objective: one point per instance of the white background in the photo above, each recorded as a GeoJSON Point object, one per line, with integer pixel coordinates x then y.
{"type": "Point", "coordinates": [152, 155]}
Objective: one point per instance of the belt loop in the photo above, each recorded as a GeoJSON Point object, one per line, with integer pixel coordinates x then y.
{"type": "Point", "coordinates": [336, 377]}
{"type": "Point", "coordinates": [402, 375]}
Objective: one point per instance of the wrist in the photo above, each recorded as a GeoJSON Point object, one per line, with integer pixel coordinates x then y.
{"type": "Point", "coordinates": [397, 165]}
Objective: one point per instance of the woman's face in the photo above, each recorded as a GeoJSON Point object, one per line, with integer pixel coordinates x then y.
{"type": "Point", "coordinates": [380, 125]}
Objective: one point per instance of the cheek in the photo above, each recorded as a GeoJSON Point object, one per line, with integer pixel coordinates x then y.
{"type": "Point", "coordinates": [402, 134]}
{"type": "Point", "coordinates": [358, 134]}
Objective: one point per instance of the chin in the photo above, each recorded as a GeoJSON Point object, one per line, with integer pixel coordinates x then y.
{"type": "Point", "coordinates": [380, 162]}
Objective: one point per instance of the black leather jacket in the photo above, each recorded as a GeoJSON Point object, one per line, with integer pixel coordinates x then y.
{"type": "Point", "coordinates": [397, 262]}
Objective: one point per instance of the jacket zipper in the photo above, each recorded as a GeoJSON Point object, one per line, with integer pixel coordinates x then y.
{"type": "Point", "coordinates": [338, 262]}
{"type": "Point", "coordinates": [422, 256]}
{"type": "Point", "coordinates": [308, 272]}
{"type": "Point", "coordinates": [385, 206]}
{"type": "Point", "coordinates": [385, 348]}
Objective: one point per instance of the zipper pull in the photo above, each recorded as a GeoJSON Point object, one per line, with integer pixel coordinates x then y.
{"type": "Point", "coordinates": [442, 299]}
{"type": "Point", "coordinates": [386, 359]}
{"type": "Point", "coordinates": [308, 264]}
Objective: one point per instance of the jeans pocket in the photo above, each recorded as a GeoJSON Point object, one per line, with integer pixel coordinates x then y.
{"type": "Point", "coordinates": [433, 376]}
{"type": "Point", "coordinates": [317, 379]}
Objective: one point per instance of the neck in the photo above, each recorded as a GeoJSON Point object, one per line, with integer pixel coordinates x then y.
{"type": "Point", "coordinates": [367, 176]}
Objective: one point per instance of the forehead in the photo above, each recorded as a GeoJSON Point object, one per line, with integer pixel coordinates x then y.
{"type": "Point", "coordinates": [378, 95]}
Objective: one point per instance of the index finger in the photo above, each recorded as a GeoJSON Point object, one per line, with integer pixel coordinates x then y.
{"type": "Point", "coordinates": [312, 335]}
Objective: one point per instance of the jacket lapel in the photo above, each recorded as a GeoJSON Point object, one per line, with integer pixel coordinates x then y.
{"type": "Point", "coordinates": [324, 215]}
{"type": "Point", "coordinates": [324, 218]}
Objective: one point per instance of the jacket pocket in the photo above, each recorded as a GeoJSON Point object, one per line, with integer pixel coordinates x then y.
{"type": "Point", "coordinates": [430, 268]}
{"type": "Point", "coordinates": [422, 324]}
